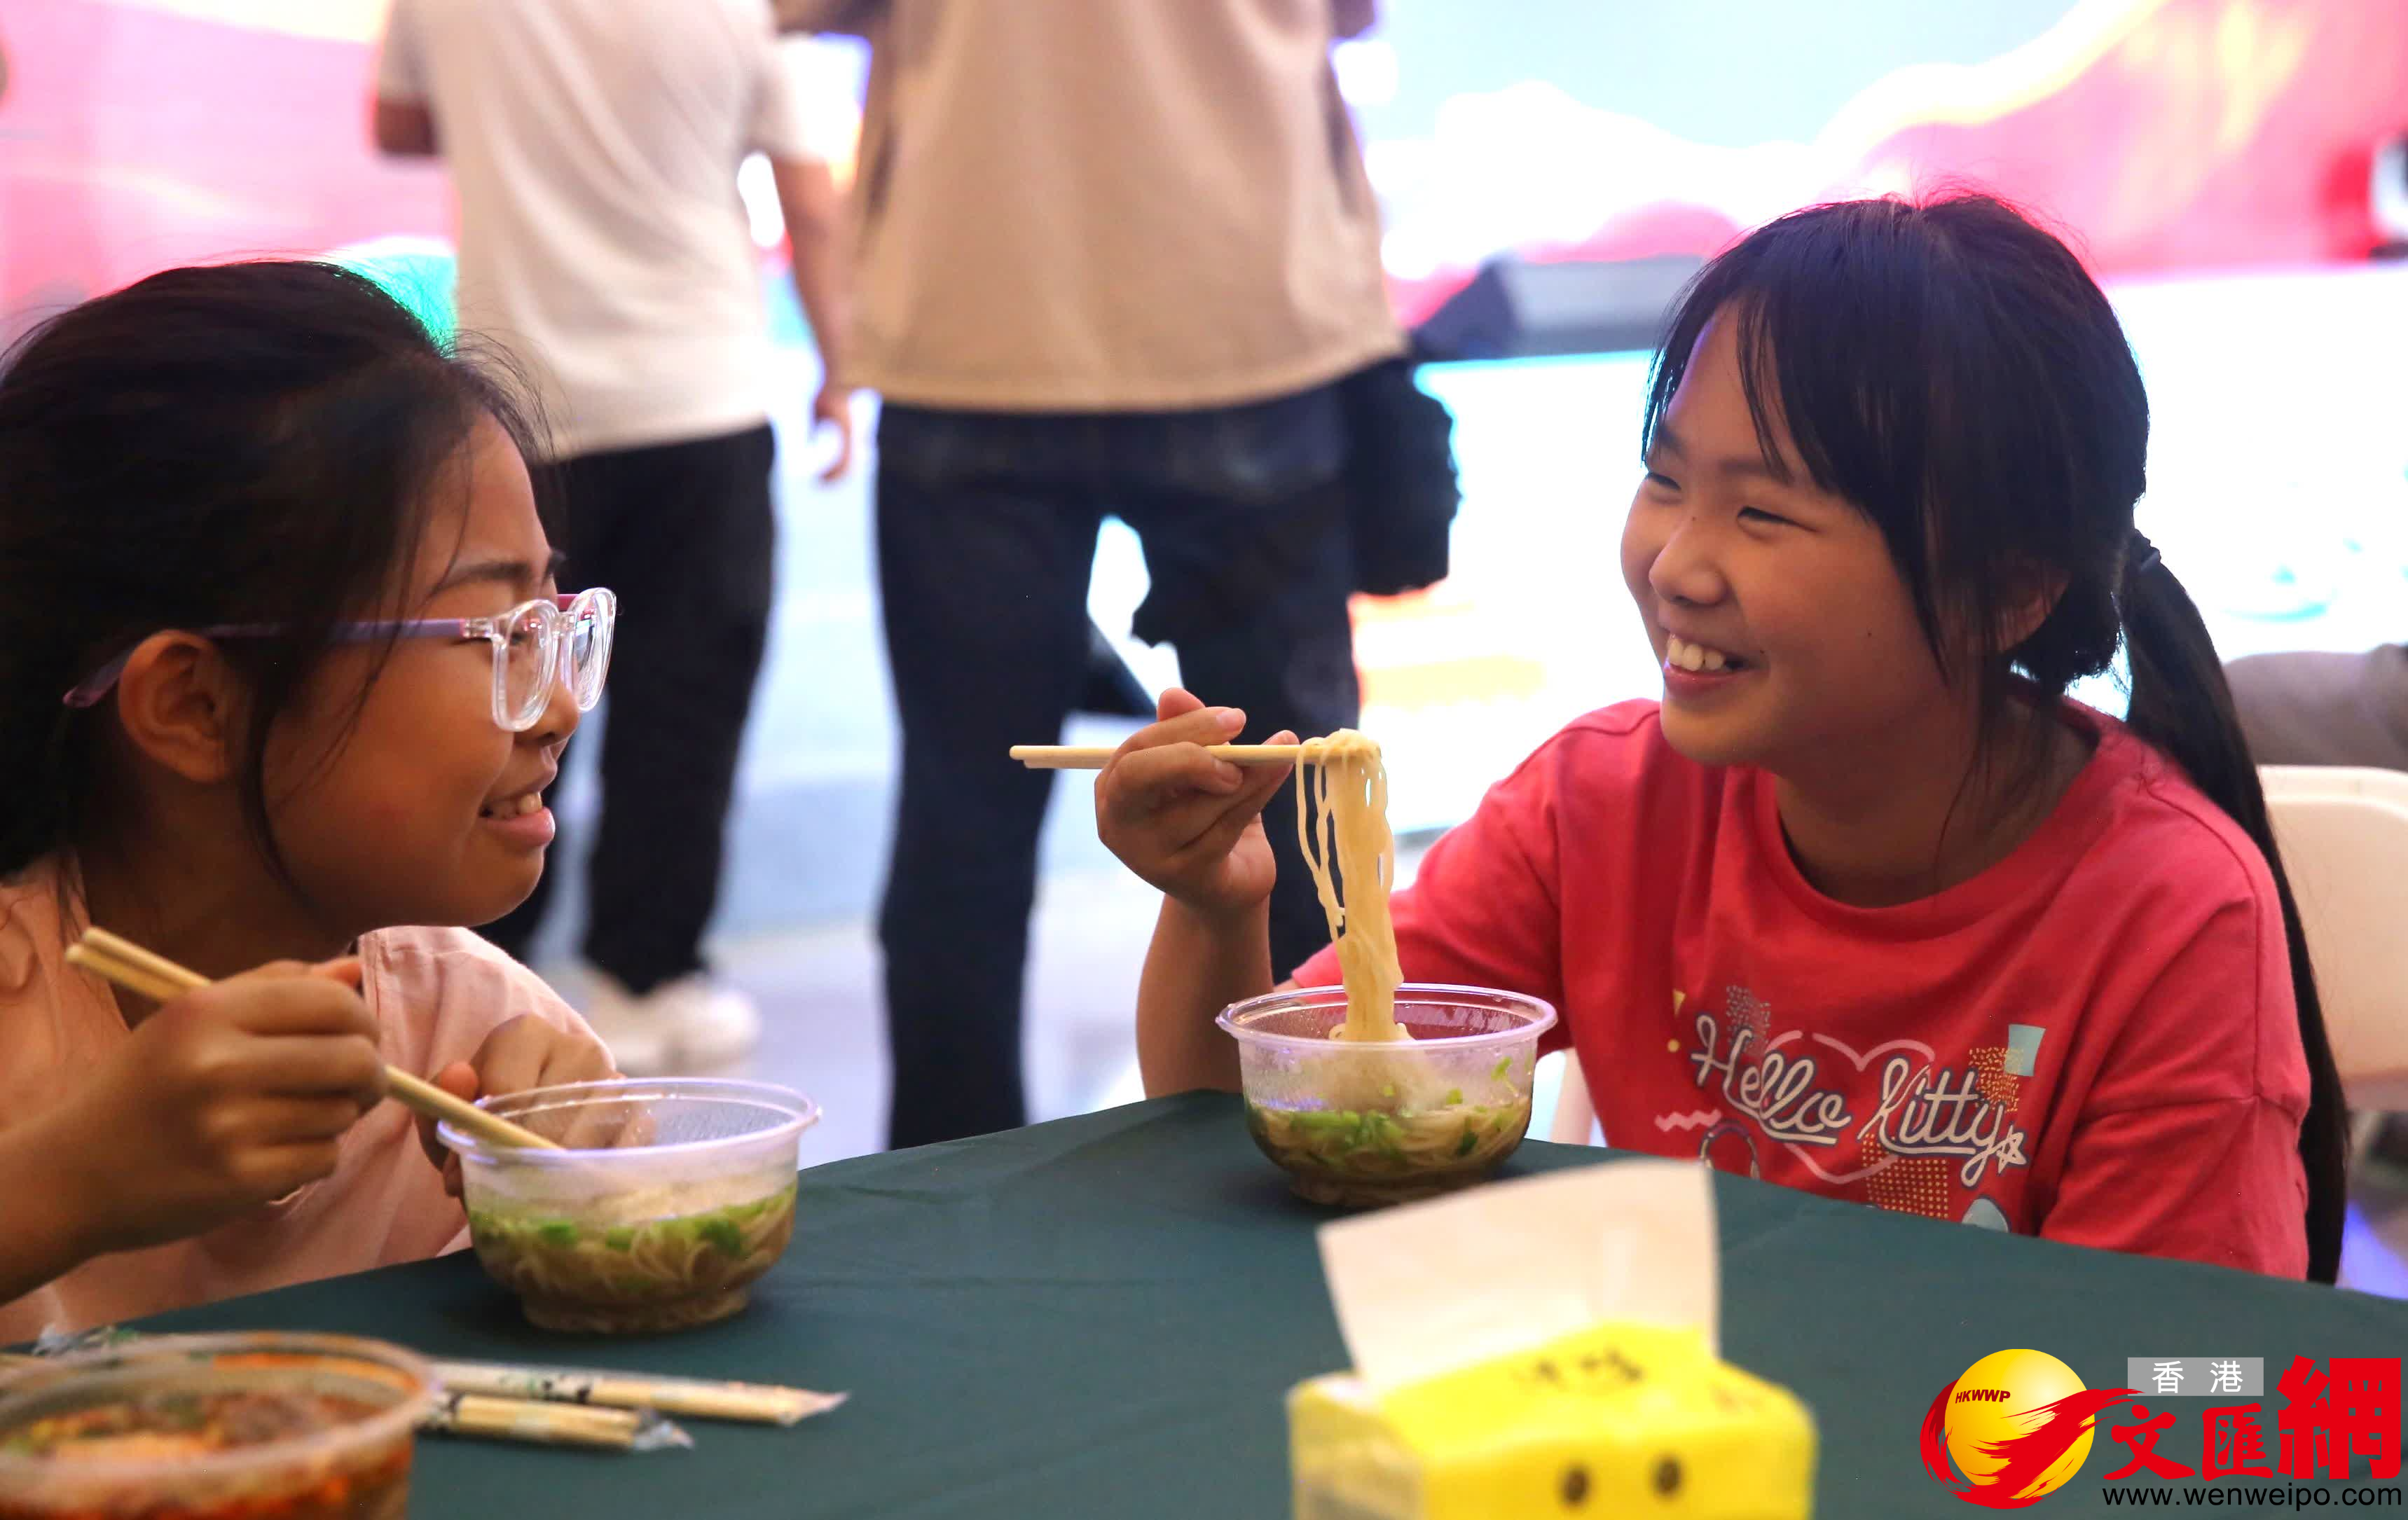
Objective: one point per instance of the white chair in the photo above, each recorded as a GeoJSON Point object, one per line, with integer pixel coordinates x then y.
{"type": "Point", "coordinates": [1575, 1117]}
{"type": "Point", "coordinates": [2344, 834]}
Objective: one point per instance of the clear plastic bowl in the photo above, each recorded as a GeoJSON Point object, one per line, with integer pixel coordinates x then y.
{"type": "Point", "coordinates": [1362, 1126]}
{"type": "Point", "coordinates": [671, 1198]}
{"type": "Point", "coordinates": [214, 1427]}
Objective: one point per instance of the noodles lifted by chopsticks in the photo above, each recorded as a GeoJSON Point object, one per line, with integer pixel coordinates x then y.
{"type": "Point", "coordinates": [1346, 843]}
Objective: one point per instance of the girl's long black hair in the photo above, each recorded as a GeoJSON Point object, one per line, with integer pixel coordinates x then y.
{"type": "Point", "coordinates": [247, 443]}
{"type": "Point", "coordinates": [1952, 371]}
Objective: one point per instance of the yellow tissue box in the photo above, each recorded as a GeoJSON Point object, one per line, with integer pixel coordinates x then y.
{"type": "Point", "coordinates": [1616, 1420]}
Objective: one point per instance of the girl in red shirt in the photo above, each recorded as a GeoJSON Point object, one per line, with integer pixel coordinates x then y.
{"type": "Point", "coordinates": [1866, 905]}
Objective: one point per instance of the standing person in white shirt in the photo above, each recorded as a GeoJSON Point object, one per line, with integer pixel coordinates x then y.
{"type": "Point", "coordinates": [593, 145]}
{"type": "Point", "coordinates": [1114, 257]}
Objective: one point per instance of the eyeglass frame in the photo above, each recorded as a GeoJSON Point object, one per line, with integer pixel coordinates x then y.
{"type": "Point", "coordinates": [565, 607]}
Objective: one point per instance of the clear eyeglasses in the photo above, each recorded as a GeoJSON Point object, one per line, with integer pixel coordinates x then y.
{"type": "Point", "coordinates": [551, 638]}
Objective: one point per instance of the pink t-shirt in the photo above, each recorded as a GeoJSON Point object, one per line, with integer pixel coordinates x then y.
{"type": "Point", "coordinates": [2094, 1041]}
{"type": "Point", "coordinates": [436, 995]}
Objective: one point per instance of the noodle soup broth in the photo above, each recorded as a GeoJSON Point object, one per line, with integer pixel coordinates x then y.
{"type": "Point", "coordinates": [673, 1200]}
{"type": "Point", "coordinates": [1359, 1124]}
{"type": "Point", "coordinates": [214, 1427]}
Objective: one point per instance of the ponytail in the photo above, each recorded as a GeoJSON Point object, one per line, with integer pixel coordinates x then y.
{"type": "Point", "coordinates": [2182, 706]}
{"type": "Point", "coordinates": [1952, 371]}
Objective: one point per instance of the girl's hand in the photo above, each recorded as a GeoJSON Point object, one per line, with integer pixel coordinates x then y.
{"type": "Point", "coordinates": [1190, 824]}
{"type": "Point", "coordinates": [526, 1052]}
{"type": "Point", "coordinates": [225, 1098]}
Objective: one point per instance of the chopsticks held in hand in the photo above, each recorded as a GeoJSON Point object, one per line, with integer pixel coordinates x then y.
{"type": "Point", "coordinates": [136, 969]}
{"type": "Point", "coordinates": [1074, 757]}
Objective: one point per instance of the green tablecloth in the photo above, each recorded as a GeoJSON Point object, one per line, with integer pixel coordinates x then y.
{"type": "Point", "coordinates": [1100, 1318]}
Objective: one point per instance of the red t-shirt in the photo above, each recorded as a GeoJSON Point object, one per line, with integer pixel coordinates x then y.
{"type": "Point", "coordinates": [2094, 1041]}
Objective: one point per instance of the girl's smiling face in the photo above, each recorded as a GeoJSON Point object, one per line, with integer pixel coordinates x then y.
{"type": "Point", "coordinates": [1788, 640]}
{"type": "Point", "coordinates": [400, 804]}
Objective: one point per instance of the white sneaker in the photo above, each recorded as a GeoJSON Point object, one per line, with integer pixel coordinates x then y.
{"type": "Point", "coordinates": [710, 1022]}
{"type": "Point", "coordinates": [691, 1021]}
{"type": "Point", "coordinates": [632, 1027]}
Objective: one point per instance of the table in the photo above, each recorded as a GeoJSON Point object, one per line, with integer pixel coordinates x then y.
{"type": "Point", "coordinates": [1100, 1316]}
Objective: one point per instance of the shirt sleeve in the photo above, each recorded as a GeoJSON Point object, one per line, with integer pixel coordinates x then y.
{"type": "Point", "coordinates": [778, 128]}
{"type": "Point", "coordinates": [1482, 909]}
{"type": "Point", "coordinates": [2216, 1181]}
{"type": "Point", "coordinates": [401, 59]}
{"type": "Point", "coordinates": [439, 992]}
{"type": "Point", "coordinates": [2188, 1145]}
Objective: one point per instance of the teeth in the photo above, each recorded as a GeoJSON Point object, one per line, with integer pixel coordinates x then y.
{"type": "Point", "coordinates": [518, 807]}
{"type": "Point", "coordinates": [529, 803]}
{"type": "Point", "coordinates": [1680, 652]}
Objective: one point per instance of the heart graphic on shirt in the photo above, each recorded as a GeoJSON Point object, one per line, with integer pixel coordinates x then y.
{"type": "Point", "coordinates": [1867, 1059]}
{"type": "Point", "coordinates": [1862, 1062]}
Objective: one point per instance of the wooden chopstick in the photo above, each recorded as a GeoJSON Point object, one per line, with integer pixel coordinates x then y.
{"type": "Point", "coordinates": [705, 1399]}
{"type": "Point", "coordinates": [131, 978]}
{"type": "Point", "coordinates": [457, 1414]}
{"type": "Point", "coordinates": [136, 969]}
{"type": "Point", "coordinates": [1080, 757]}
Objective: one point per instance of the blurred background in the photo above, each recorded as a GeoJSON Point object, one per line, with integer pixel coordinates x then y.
{"type": "Point", "coordinates": [2222, 164]}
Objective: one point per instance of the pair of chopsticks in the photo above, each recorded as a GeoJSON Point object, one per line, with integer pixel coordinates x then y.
{"type": "Point", "coordinates": [701, 1398]}
{"type": "Point", "coordinates": [1079, 757]}
{"type": "Point", "coordinates": [119, 960]}
{"type": "Point", "coordinates": [566, 1406]}
{"type": "Point", "coordinates": [530, 1420]}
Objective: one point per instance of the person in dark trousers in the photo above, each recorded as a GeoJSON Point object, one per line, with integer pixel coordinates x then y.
{"type": "Point", "coordinates": [1113, 259]}
{"type": "Point", "coordinates": [594, 146]}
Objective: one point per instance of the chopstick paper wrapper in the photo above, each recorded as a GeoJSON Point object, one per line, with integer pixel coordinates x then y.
{"type": "Point", "coordinates": [700, 1398]}
{"type": "Point", "coordinates": [457, 1414]}
{"type": "Point", "coordinates": [1527, 1344]}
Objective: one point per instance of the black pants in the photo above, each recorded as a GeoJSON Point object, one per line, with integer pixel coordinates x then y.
{"type": "Point", "coordinates": [685, 534]}
{"type": "Point", "coordinates": [986, 538]}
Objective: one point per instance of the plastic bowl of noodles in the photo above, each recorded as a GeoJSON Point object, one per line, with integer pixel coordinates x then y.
{"type": "Point", "coordinates": [669, 1199]}
{"type": "Point", "coordinates": [1365, 1124]}
{"type": "Point", "coordinates": [214, 1427]}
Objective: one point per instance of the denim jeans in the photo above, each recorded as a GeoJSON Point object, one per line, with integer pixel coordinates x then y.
{"type": "Point", "coordinates": [986, 539]}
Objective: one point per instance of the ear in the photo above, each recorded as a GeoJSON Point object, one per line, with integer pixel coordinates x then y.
{"type": "Point", "coordinates": [2032, 593]}
{"type": "Point", "coordinates": [180, 706]}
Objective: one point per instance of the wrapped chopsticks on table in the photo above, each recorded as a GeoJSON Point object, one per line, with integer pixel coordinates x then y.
{"type": "Point", "coordinates": [701, 1398]}
{"type": "Point", "coordinates": [457, 1414]}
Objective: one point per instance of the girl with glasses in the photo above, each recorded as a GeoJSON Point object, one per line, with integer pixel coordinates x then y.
{"type": "Point", "coordinates": [284, 676]}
